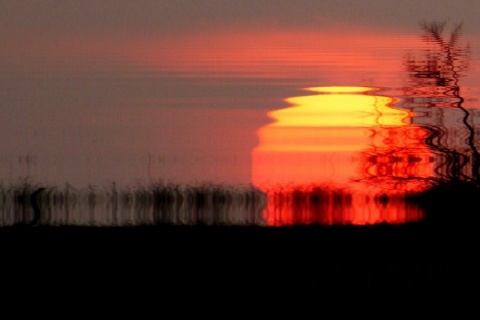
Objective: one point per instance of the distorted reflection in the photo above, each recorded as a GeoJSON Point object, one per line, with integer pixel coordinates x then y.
{"type": "Point", "coordinates": [433, 91]}
{"type": "Point", "coordinates": [337, 156]}
{"type": "Point", "coordinates": [351, 155]}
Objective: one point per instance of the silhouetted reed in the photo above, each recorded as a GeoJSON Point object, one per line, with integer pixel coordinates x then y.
{"type": "Point", "coordinates": [433, 159]}
{"type": "Point", "coordinates": [434, 90]}
{"type": "Point", "coordinates": [32, 204]}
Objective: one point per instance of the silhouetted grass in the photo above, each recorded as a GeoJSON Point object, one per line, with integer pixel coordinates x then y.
{"type": "Point", "coordinates": [445, 201]}
{"type": "Point", "coordinates": [131, 206]}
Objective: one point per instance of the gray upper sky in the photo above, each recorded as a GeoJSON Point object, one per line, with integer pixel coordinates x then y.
{"type": "Point", "coordinates": [151, 17]}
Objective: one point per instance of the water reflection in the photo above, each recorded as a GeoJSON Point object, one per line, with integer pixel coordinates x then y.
{"type": "Point", "coordinates": [316, 159]}
{"type": "Point", "coordinates": [398, 159]}
{"type": "Point", "coordinates": [434, 91]}
{"type": "Point", "coordinates": [350, 155]}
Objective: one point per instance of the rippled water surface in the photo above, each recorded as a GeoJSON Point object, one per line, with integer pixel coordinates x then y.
{"type": "Point", "coordinates": [235, 126]}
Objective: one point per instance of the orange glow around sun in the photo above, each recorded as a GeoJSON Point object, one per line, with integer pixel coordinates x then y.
{"type": "Point", "coordinates": [340, 143]}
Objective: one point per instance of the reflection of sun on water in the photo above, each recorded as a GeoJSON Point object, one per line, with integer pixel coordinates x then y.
{"type": "Point", "coordinates": [346, 155]}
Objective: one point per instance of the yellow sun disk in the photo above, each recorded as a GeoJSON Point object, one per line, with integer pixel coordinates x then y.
{"type": "Point", "coordinates": [342, 89]}
{"type": "Point", "coordinates": [339, 110]}
{"type": "Point", "coordinates": [324, 129]}
{"type": "Point", "coordinates": [338, 140]}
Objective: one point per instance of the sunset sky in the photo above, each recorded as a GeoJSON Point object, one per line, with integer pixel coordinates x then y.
{"type": "Point", "coordinates": [168, 34]}
{"type": "Point", "coordinates": [84, 81]}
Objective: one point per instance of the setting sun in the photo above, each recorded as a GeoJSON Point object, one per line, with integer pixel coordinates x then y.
{"type": "Point", "coordinates": [336, 137]}
{"type": "Point", "coordinates": [346, 110]}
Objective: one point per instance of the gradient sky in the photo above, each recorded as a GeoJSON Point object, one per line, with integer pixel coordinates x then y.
{"type": "Point", "coordinates": [162, 17]}
{"type": "Point", "coordinates": [167, 34]}
{"type": "Point", "coordinates": [139, 32]}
